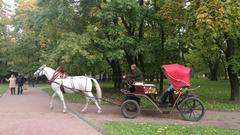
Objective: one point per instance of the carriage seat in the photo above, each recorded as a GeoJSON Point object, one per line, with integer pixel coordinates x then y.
{"type": "Point", "coordinates": [142, 88]}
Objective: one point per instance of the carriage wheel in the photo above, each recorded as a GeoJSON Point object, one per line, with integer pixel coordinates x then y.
{"type": "Point", "coordinates": [181, 98]}
{"type": "Point", "coordinates": [130, 109]}
{"type": "Point", "coordinates": [192, 109]}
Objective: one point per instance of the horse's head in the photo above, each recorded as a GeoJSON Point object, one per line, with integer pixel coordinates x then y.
{"type": "Point", "coordinates": [40, 70]}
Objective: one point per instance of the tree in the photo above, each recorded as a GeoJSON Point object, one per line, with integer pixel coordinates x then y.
{"type": "Point", "coordinates": [24, 53]}
{"type": "Point", "coordinates": [221, 20]}
{"type": "Point", "coordinates": [6, 42]}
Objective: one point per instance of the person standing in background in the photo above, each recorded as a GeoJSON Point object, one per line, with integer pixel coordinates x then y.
{"type": "Point", "coordinates": [20, 82]}
{"type": "Point", "coordinates": [32, 81]}
{"type": "Point", "coordinates": [12, 84]}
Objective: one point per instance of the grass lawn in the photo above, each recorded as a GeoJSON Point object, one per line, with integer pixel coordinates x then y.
{"type": "Point", "coordinates": [3, 88]}
{"type": "Point", "coordinates": [129, 128]}
{"type": "Point", "coordinates": [214, 94]}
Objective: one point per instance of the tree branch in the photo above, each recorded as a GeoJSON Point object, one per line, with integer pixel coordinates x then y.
{"type": "Point", "coordinates": [128, 28]}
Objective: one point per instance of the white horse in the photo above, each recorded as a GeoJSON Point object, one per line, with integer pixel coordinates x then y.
{"type": "Point", "coordinates": [71, 84]}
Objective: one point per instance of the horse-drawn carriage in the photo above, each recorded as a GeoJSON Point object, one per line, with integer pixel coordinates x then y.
{"type": "Point", "coordinates": [190, 106]}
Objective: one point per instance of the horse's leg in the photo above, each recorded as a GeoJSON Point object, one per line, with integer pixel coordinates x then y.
{"type": "Point", "coordinates": [60, 94]}
{"type": "Point", "coordinates": [89, 94]}
{"type": "Point", "coordinates": [51, 102]}
{"type": "Point", "coordinates": [86, 105]}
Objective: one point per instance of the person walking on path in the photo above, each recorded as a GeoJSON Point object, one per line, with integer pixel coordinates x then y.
{"type": "Point", "coordinates": [12, 84]}
{"type": "Point", "coordinates": [20, 82]}
{"type": "Point", "coordinates": [32, 81]}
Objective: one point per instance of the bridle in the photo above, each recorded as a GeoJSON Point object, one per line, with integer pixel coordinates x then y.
{"type": "Point", "coordinates": [40, 70]}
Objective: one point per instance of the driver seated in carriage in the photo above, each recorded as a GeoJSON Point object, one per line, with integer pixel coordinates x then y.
{"type": "Point", "coordinates": [135, 75]}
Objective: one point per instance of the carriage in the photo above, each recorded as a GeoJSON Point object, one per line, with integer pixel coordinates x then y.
{"type": "Point", "coordinates": [190, 106]}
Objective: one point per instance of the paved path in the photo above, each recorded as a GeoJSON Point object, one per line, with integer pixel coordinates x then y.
{"type": "Point", "coordinates": [29, 114]}
{"type": "Point", "coordinates": [113, 113]}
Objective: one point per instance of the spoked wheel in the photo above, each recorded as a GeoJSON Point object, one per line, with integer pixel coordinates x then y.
{"type": "Point", "coordinates": [181, 98]}
{"type": "Point", "coordinates": [130, 109]}
{"type": "Point", "coordinates": [192, 109]}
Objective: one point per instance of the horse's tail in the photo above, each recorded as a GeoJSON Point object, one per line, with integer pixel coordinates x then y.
{"type": "Point", "coordinates": [98, 89]}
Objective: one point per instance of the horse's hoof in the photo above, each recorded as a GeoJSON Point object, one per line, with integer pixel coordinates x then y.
{"type": "Point", "coordinates": [64, 111]}
{"type": "Point", "coordinates": [99, 111]}
{"type": "Point", "coordinates": [83, 110]}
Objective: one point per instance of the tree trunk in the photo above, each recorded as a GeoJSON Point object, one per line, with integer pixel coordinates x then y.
{"type": "Point", "coordinates": [224, 67]}
{"type": "Point", "coordinates": [234, 82]}
{"type": "Point", "coordinates": [161, 82]}
{"type": "Point", "coordinates": [233, 76]}
{"type": "Point", "coordinates": [129, 58]}
{"type": "Point", "coordinates": [162, 58]}
{"type": "Point", "coordinates": [157, 76]}
{"type": "Point", "coordinates": [141, 63]}
{"type": "Point", "coordinates": [116, 73]}
{"type": "Point", "coordinates": [214, 71]}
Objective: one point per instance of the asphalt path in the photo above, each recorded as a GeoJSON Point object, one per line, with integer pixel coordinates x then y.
{"type": "Point", "coordinates": [29, 114]}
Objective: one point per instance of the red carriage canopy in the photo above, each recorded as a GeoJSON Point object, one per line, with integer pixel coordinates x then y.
{"type": "Point", "coordinates": [178, 75]}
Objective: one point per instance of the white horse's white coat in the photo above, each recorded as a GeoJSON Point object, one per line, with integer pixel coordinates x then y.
{"type": "Point", "coordinates": [71, 84]}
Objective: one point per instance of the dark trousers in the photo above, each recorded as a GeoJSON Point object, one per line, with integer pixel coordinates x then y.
{"type": "Point", "coordinates": [20, 89]}
{"type": "Point", "coordinates": [33, 84]}
{"type": "Point", "coordinates": [12, 91]}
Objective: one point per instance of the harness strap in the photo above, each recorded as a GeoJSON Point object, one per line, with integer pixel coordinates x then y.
{"type": "Point", "coordinates": [72, 89]}
{"type": "Point", "coordinates": [55, 75]}
{"type": "Point", "coordinates": [72, 83]}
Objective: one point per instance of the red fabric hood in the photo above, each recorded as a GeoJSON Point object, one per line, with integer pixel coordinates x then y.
{"type": "Point", "coordinates": [178, 75]}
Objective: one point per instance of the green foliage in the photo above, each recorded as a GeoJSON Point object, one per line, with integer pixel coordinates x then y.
{"type": "Point", "coordinates": [5, 41]}
{"type": "Point", "coordinates": [24, 54]}
{"type": "Point", "coordinates": [215, 20]}
{"type": "Point", "coordinates": [3, 88]}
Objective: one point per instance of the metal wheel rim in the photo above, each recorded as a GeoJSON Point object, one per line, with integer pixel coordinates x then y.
{"type": "Point", "coordinates": [192, 109]}
{"type": "Point", "coordinates": [130, 109]}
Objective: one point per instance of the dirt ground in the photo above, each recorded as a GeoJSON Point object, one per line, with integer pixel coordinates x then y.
{"type": "Point", "coordinates": [113, 113]}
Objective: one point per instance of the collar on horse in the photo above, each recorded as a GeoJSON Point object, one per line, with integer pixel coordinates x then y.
{"type": "Point", "coordinates": [55, 75]}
